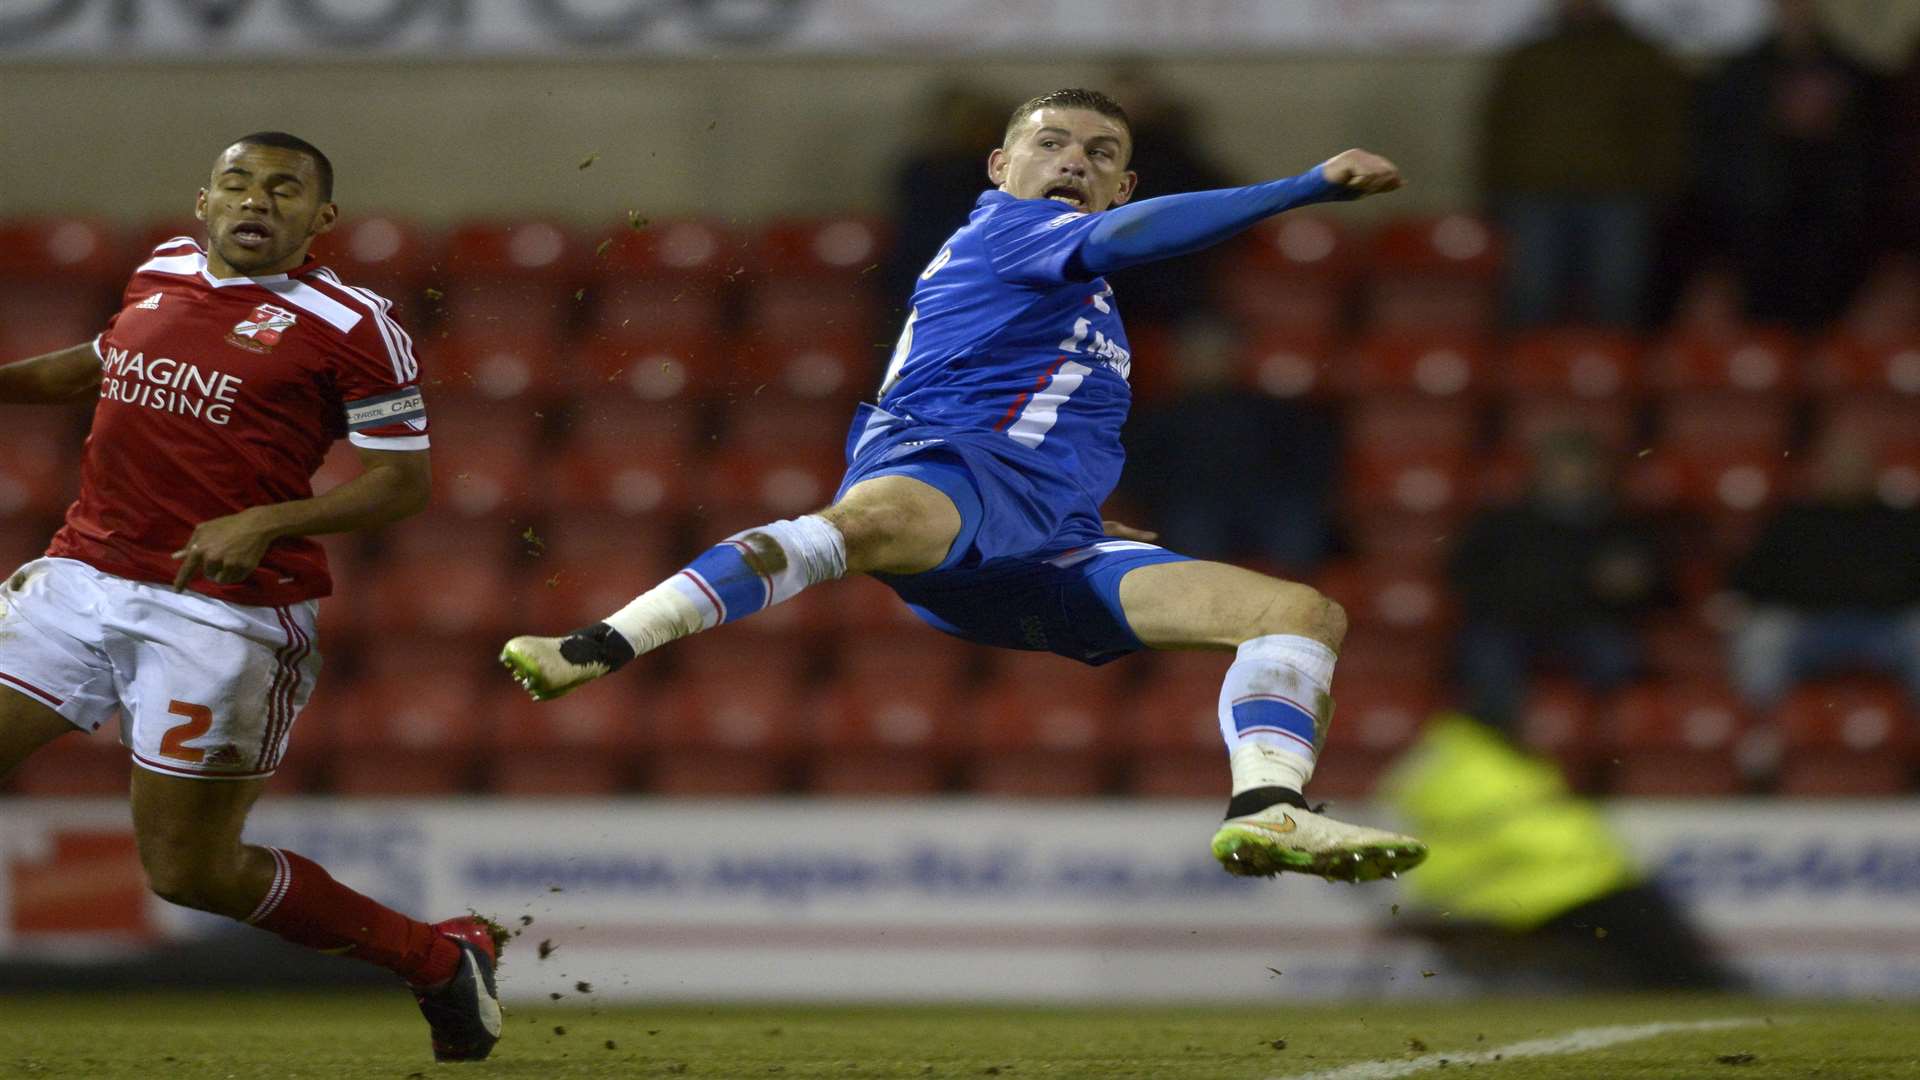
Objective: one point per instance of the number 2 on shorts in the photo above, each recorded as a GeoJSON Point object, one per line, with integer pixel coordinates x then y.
{"type": "Point", "coordinates": [199, 722]}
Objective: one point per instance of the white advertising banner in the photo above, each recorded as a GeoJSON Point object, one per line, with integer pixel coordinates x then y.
{"type": "Point", "coordinates": [961, 899]}
{"type": "Point", "coordinates": [206, 29]}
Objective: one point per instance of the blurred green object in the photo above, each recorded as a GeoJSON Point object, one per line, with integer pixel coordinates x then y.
{"type": "Point", "coordinates": [1511, 844]}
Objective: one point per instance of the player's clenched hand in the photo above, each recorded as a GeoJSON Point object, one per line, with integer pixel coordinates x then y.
{"type": "Point", "coordinates": [1127, 532]}
{"type": "Point", "coordinates": [1369, 174]}
{"type": "Point", "coordinates": [225, 549]}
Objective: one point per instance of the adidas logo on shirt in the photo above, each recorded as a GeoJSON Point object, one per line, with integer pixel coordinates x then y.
{"type": "Point", "coordinates": [151, 303]}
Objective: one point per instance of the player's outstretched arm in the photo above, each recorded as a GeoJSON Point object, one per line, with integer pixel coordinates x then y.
{"type": "Point", "coordinates": [1170, 225]}
{"type": "Point", "coordinates": [71, 374]}
{"type": "Point", "coordinates": [391, 485]}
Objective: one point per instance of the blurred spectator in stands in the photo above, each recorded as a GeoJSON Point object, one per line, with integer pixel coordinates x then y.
{"type": "Point", "coordinates": [1832, 582]}
{"type": "Point", "coordinates": [1169, 157]}
{"type": "Point", "coordinates": [1224, 472]}
{"type": "Point", "coordinates": [1789, 159]}
{"type": "Point", "coordinates": [1583, 137]}
{"type": "Point", "coordinates": [936, 185]}
{"type": "Point", "coordinates": [1559, 576]}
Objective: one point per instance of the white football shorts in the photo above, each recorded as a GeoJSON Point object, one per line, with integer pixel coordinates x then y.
{"type": "Point", "coordinates": [204, 688]}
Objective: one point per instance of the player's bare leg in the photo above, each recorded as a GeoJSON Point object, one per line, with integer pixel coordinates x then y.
{"type": "Point", "coordinates": [188, 833]}
{"type": "Point", "coordinates": [1274, 712]}
{"type": "Point", "coordinates": [25, 727]}
{"type": "Point", "coordinates": [889, 524]}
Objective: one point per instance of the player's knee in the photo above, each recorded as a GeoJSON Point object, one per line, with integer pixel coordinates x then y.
{"type": "Point", "coordinates": [182, 883]}
{"type": "Point", "coordinates": [1304, 611]}
{"type": "Point", "coordinates": [188, 878]}
{"type": "Point", "coordinates": [1332, 620]}
{"type": "Point", "coordinates": [897, 530]}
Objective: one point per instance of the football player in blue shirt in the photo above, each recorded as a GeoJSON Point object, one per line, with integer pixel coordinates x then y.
{"type": "Point", "coordinates": [975, 479]}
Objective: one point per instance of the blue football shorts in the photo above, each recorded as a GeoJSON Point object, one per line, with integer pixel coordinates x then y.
{"type": "Point", "coordinates": [1032, 567]}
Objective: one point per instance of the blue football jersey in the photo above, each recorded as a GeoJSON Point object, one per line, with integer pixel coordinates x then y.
{"type": "Point", "coordinates": [1005, 334]}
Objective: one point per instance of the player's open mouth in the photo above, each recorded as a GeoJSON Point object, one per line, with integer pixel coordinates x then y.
{"type": "Point", "coordinates": [1066, 194]}
{"type": "Point", "coordinates": [250, 234]}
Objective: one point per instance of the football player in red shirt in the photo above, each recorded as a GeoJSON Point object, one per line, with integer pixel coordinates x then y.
{"type": "Point", "coordinates": [182, 589]}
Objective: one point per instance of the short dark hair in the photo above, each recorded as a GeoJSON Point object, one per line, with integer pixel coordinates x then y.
{"type": "Point", "coordinates": [1072, 97]}
{"type": "Point", "coordinates": [280, 140]}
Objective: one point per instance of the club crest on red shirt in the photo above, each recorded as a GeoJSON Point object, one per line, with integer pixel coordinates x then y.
{"type": "Point", "coordinates": [262, 329]}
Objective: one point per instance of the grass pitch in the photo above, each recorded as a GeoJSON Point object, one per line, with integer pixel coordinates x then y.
{"type": "Point", "coordinates": [342, 1037]}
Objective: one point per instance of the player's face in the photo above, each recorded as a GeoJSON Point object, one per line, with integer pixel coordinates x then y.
{"type": "Point", "coordinates": [1073, 156]}
{"type": "Point", "coordinates": [262, 210]}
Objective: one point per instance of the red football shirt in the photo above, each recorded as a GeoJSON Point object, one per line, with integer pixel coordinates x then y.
{"type": "Point", "coordinates": [222, 394]}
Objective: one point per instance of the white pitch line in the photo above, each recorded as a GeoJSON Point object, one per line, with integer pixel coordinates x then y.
{"type": "Point", "coordinates": [1577, 1041]}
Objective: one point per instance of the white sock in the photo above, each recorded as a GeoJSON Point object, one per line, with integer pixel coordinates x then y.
{"type": "Point", "coordinates": [1275, 710]}
{"type": "Point", "coordinates": [723, 584]}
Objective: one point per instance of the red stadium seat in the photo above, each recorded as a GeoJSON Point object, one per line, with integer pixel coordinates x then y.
{"type": "Point", "coordinates": [469, 657]}
{"type": "Point", "coordinates": [1843, 364]}
{"type": "Point", "coordinates": [627, 457]}
{"type": "Point", "coordinates": [1286, 363]}
{"type": "Point", "coordinates": [406, 735]}
{"type": "Point", "coordinates": [1882, 421]}
{"type": "Point", "coordinates": [437, 594]}
{"type": "Point", "coordinates": [890, 736]}
{"type": "Point", "coordinates": [1740, 481]}
{"type": "Point", "coordinates": [666, 371]}
{"type": "Point", "coordinates": [1395, 422]}
{"type": "Point", "coordinates": [1171, 725]}
{"type": "Point", "coordinates": [736, 653]}
{"type": "Point", "coordinates": [665, 281]}
{"type": "Point", "coordinates": [76, 763]}
{"type": "Point", "coordinates": [1580, 363]}
{"type": "Point", "coordinates": [1388, 595]}
{"type": "Point", "coordinates": [1375, 654]}
{"type": "Point", "coordinates": [1676, 738]}
{"type": "Point", "coordinates": [1434, 362]}
{"type": "Point", "coordinates": [467, 422]}
{"type": "Point", "coordinates": [390, 256]}
{"type": "Point", "coordinates": [1408, 538]}
{"type": "Point", "coordinates": [23, 538]}
{"type": "Point", "coordinates": [1433, 273]}
{"type": "Point", "coordinates": [40, 450]}
{"type": "Point", "coordinates": [589, 564]}
{"type": "Point", "coordinates": [581, 744]}
{"type": "Point", "coordinates": [1757, 360]}
{"type": "Point", "coordinates": [725, 736]}
{"type": "Point", "coordinates": [518, 278]}
{"type": "Point", "coordinates": [1721, 422]}
{"type": "Point", "coordinates": [1845, 738]}
{"type": "Point", "coordinates": [1302, 246]}
{"type": "Point", "coordinates": [60, 279]}
{"type": "Point", "coordinates": [75, 250]}
{"type": "Point", "coordinates": [1373, 723]}
{"type": "Point", "coordinates": [1423, 480]}
{"type": "Point", "coordinates": [1292, 274]}
{"type": "Point", "coordinates": [820, 247]}
{"type": "Point", "coordinates": [502, 364]}
{"type": "Point", "coordinates": [823, 366]}
{"type": "Point", "coordinates": [1685, 648]}
{"type": "Point", "coordinates": [495, 482]}
{"type": "Point", "coordinates": [774, 481]}
{"type": "Point", "coordinates": [1560, 720]}
{"type": "Point", "coordinates": [1043, 726]}
{"type": "Point", "coordinates": [864, 604]}
{"type": "Point", "coordinates": [875, 656]}
{"type": "Point", "coordinates": [768, 423]}
{"type": "Point", "coordinates": [813, 279]}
